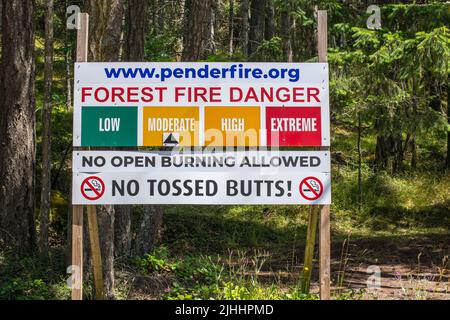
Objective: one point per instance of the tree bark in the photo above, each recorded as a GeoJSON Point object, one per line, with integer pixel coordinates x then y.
{"type": "Point", "coordinates": [46, 133]}
{"type": "Point", "coordinates": [104, 45]}
{"type": "Point", "coordinates": [257, 25]}
{"type": "Point", "coordinates": [17, 125]}
{"type": "Point", "coordinates": [149, 233]}
{"type": "Point", "coordinates": [136, 20]}
{"type": "Point", "coordinates": [245, 26]}
{"type": "Point", "coordinates": [122, 230]}
{"type": "Point", "coordinates": [105, 28]}
{"type": "Point", "coordinates": [269, 20]}
{"type": "Point", "coordinates": [106, 216]}
{"type": "Point", "coordinates": [448, 122]}
{"type": "Point", "coordinates": [359, 162]}
{"type": "Point", "coordinates": [286, 31]}
{"type": "Point", "coordinates": [152, 215]}
{"type": "Point", "coordinates": [0, 25]}
{"type": "Point", "coordinates": [67, 60]}
{"type": "Point", "coordinates": [196, 14]}
{"type": "Point", "coordinates": [137, 26]}
{"type": "Point", "coordinates": [230, 27]}
{"type": "Point", "coordinates": [134, 51]}
{"type": "Point", "coordinates": [208, 42]}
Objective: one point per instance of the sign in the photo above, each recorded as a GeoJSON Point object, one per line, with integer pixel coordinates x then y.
{"type": "Point", "coordinates": [109, 126]}
{"type": "Point", "coordinates": [92, 188]}
{"type": "Point", "coordinates": [241, 177]}
{"type": "Point", "coordinates": [311, 188]}
{"type": "Point", "coordinates": [203, 103]}
{"type": "Point", "coordinates": [232, 126]}
{"type": "Point", "coordinates": [179, 124]}
{"type": "Point", "coordinates": [293, 126]}
{"type": "Point", "coordinates": [201, 188]}
{"type": "Point", "coordinates": [171, 139]}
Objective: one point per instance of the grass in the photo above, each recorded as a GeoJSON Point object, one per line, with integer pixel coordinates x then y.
{"type": "Point", "coordinates": [28, 278]}
{"type": "Point", "coordinates": [239, 276]}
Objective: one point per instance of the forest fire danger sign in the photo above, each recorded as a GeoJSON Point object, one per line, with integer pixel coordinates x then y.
{"type": "Point", "coordinates": [244, 177]}
{"type": "Point", "coordinates": [201, 104]}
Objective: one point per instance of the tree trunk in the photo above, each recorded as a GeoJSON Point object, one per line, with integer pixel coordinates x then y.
{"type": "Point", "coordinates": [381, 153]}
{"type": "Point", "coordinates": [413, 132]}
{"type": "Point", "coordinates": [122, 230]}
{"type": "Point", "coordinates": [149, 230]}
{"type": "Point", "coordinates": [137, 26]}
{"type": "Point", "coordinates": [0, 26]}
{"type": "Point", "coordinates": [106, 225]}
{"type": "Point", "coordinates": [134, 51]}
{"type": "Point", "coordinates": [257, 24]}
{"type": "Point", "coordinates": [413, 140]}
{"type": "Point", "coordinates": [104, 45]}
{"type": "Point", "coordinates": [150, 224]}
{"type": "Point", "coordinates": [230, 27]}
{"type": "Point", "coordinates": [448, 122]}
{"type": "Point", "coordinates": [286, 31]}
{"type": "Point", "coordinates": [67, 58]}
{"type": "Point", "coordinates": [17, 125]}
{"type": "Point", "coordinates": [46, 133]}
{"type": "Point", "coordinates": [196, 13]}
{"type": "Point", "coordinates": [245, 26]}
{"type": "Point", "coordinates": [296, 53]}
{"type": "Point", "coordinates": [105, 20]}
{"type": "Point", "coordinates": [359, 163]}
{"type": "Point", "coordinates": [209, 42]}
{"type": "Point", "coordinates": [269, 20]}
{"type": "Point", "coordinates": [161, 16]}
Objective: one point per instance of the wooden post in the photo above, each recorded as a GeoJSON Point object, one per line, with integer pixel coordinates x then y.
{"type": "Point", "coordinates": [322, 35]}
{"type": "Point", "coordinates": [309, 249]}
{"type": "Point", "coordinates": [325, 242]}
{"type": "Point", "coordinates": [82, 38]}
{"type": "Point", "coordinates": [82, 56]}
{"type": "Point", "coordinates": [77, 210]}
{"type": "Point", "coordinates": [77, 252]}
{"type": "Point", "coordinates": [95, 252]}
{"type": "Point", "coordinates": [324, 249]}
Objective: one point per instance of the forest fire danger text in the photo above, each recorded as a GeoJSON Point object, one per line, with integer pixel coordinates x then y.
{"type": "Point", "coordinates": [199, 94]}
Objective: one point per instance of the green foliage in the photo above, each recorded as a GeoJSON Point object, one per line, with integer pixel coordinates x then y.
{"type": "Point", "coordinates": [415, 17]}
{"type": "Point", "coordinates": [28, 278]}
{"type": "Point", "coordinates": [268, 51]}
{"type": "Point", "coordinates": [25, 289]}
{"type": "Point", "coordinates": [161, 47]}
{"type": "Point", "coordinates": [203, 277]}
{"type": "Point", "coordinates": [156, 261]}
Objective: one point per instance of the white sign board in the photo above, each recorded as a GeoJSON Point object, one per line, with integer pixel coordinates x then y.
{"type": "Point", "coordinates": [201, 104]}
{"type": "Point", "coordinates": [247, 177]}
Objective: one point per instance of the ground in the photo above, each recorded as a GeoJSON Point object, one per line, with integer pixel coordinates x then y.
{"type": "Point", "coordinates": [411, 266]}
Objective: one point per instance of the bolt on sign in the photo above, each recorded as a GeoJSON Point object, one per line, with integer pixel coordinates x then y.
{"type": "Point", "coordinates": [201, 104]}
{"type": "Point", "coordinates": [235, 177]}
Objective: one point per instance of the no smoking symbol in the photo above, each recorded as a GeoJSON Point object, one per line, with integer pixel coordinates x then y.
{"type": "Point", "coordinates": [92, 188]}
{"type": "Point", "coordinates": [311, 188]}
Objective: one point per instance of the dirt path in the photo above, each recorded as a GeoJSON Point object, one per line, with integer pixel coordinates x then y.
{"type": "Point", "coordinates": [409, 267]}
{"type": "Point", "coordinates": [381, 268]}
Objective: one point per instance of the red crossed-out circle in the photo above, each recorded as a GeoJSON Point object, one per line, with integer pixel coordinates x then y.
{"type": "Point", "coordinates": [307, 186]}
{"type": "Point", "coordinates": [93, 183]}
